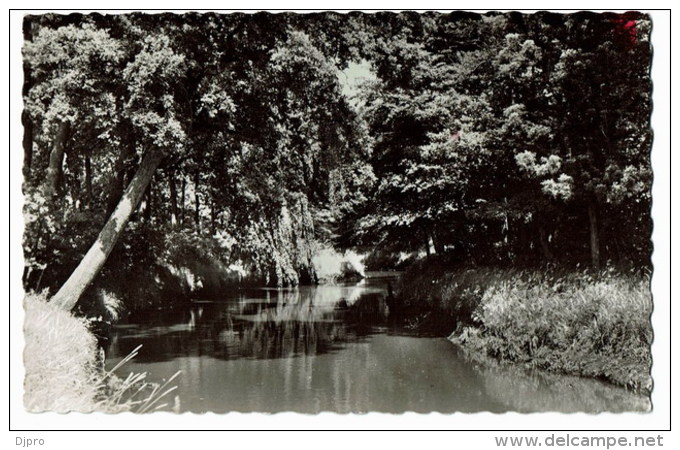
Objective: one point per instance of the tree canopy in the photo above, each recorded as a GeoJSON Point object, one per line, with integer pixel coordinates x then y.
{"type": "Point", "coordinates": [510, 136]}
{"type": "Point", "coordinates": [497, 138]}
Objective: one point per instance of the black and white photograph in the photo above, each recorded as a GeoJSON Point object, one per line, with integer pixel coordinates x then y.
{"type": "Point", "coordinates": [337, 212]}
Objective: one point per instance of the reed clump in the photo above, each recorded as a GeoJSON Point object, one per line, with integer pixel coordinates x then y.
{"type": "Point", "coordinates": [65, 368]}
{"type": "Point", "coordinates": [595, 326]}
{"type": "Point", "coordinates": [573, 322]}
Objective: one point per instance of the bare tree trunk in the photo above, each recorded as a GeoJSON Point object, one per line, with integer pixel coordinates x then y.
{"type": "Point", "coordinates": [27, 144]}
{"type": "Point", "coordinates": [94, 259]}
{"type": "Point", "coordinates": [438, 244]}
{"type": "Point", "coordinates": [430, 245]}
{"type": "Point", "coordinates": [88, 181]}
{"type": "Point", "coordinates": [545, 245]}
{"type": "Point", "coordinates": [594, 235]}
{"type": "Point", "coordinates": [148, 203]}
{"type": "Point", "coordinates": [213, 216]}
{"type": "Point", "coordinates": [56, 160]}
{"type": "Point", "coordinates": [173, 201]}
{"type": "Point", "coordinates": [197, 212]}
{"type": "Point", "coordinates": [183, 201]}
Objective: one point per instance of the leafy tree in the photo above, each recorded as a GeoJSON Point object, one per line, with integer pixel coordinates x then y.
{"type": "Point", "coordinates": [491, 128]}
{"type": "Point", "coordinates": [152, 79]}
{"type": "Point", "coordinates": [228, 139]}
{"type": "Point", "coordinates": [251, 126]}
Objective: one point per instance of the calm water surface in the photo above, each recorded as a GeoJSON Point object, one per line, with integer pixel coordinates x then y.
{"type": "Point", "coordinates": [332, 348]}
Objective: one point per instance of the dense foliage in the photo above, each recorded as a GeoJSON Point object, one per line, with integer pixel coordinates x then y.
{"type": "Point", "coordinates": [509, 138]}
{"type": "Point", "coordinates": [501, 138]}
{"type": "Point", "coordinates": [248, 112]}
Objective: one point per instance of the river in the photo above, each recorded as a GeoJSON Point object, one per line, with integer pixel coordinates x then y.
{"type": "Point", "coordinates": [332, 348]}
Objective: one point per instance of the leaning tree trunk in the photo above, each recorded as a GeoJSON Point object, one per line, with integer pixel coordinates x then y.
{"type": "Point", "coordinates": [594, 235]}
{"type": "Point", "coordinates": [56, 160]}
{"type": "Point", "coordinates": [94, 259]}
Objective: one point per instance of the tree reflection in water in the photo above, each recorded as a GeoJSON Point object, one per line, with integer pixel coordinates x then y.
{"type": "Point", "coordinates": [329, 348]}
{"type": "Point", "coordinates": [262, 324]}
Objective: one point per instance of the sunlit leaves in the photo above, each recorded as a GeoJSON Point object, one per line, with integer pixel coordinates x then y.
{"type": "Point", "coordinates": [153, 79]}
{"type": "Point", "coordinates": [72, 68]}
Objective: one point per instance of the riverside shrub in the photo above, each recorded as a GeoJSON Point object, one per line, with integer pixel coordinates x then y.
{"type": "Point", "coordinates": [579, 324]}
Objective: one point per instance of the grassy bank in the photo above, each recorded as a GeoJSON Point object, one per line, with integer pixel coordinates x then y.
{"type": "Point", "coordinates": [573, 323]}
{"type": "Point", "coordinates": [65, 368]}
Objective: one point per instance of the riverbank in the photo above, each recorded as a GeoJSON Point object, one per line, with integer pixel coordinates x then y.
{"type": "Point", "coordinates": [65, 367]}
{"type": "Point", "coordinates": [176, 280]}
{"type": "Point", "coordinates": [577, 323]}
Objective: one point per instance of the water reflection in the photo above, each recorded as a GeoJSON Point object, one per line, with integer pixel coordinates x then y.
{"type": "Point", "coordinates": [260, 324]}
{"type": "Point", "coordinates": [331, 348]}
{"type": "Point", "coordinates": [524, 390]}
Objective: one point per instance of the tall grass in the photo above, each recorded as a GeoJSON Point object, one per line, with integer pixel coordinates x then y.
{"type": "Point", "coordinates": [65, 369]}
{"type": "Point", "coordinates": [595, 325]}
{"type": "Point", "coordinates": [584, 325]}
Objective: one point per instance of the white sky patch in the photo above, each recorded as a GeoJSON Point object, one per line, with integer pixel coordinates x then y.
{"type": "Point", "coordinates": [353, 76]}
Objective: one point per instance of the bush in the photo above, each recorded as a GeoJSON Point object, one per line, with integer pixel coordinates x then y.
{"type": "Point", "coordinates": [580, 323]}
{"type": "Point", "coordinates": [598, 327]}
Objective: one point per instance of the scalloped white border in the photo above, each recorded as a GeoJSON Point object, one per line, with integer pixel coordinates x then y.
{"type": "Point", "coordinates": [657, 419]}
